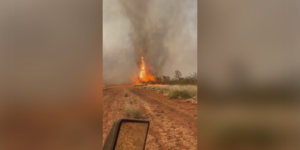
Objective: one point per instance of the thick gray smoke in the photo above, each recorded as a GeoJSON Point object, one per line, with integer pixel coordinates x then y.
{"type": "Point", "coordinates": [148, 33]}
{"type": "Point", "coordinates": [163, 32]}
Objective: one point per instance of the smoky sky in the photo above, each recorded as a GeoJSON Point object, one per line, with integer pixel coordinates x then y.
{"type": "Point", "coordinates": [163, 32]}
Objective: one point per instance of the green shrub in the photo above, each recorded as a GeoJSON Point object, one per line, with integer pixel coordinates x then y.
{"type": "Point", "coordinates": [177, 94]}
{"type": "Point", "coordinates": [151, 82]}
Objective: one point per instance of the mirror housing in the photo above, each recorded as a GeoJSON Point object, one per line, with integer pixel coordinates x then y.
{"type": "Point", "coordinates": [127, 134]}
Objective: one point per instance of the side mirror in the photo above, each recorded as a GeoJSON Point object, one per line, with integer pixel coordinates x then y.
{"type": "Point", "coordinates": [127, 134]}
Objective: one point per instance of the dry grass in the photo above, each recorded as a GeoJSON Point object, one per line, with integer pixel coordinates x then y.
{"type": "Point", "coordinates": [132, 110]}
{"type": "Point", "coordinates": [179, 94]}
{"type": "Point", "coordinates": [175, 91]}
{"type": "Point", "coordinates": [135, 113]}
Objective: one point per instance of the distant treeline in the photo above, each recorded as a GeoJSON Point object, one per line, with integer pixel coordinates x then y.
{"type": "Point", "coordinates": [191, 79]}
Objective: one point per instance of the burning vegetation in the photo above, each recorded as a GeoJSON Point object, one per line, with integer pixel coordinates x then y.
{"type": "Point", "coordinates": [144, 75]}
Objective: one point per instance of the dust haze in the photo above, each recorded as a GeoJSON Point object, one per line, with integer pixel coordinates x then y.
{"type": "Point", "coordinates": [163, 32]}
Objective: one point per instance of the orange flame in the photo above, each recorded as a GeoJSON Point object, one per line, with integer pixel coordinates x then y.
{"type": "Point", "coordinates": [143, 76]}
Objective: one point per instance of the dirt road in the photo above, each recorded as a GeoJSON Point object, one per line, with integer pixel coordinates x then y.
{"type": "Point", "coordinates": [173, 123]}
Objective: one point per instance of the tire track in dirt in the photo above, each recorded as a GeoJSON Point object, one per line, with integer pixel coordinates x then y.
{"type": "Point", "coordinates": [173, 124]}
{"type": "Point", "coordinates": [112, 105]}
{"type": "Point", "coordinates": [162, 103]}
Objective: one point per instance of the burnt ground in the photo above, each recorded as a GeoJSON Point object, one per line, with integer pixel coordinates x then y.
{"type": "Point", "coordinates": [173, 123]}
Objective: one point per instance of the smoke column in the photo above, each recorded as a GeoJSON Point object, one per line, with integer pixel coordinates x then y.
{"type": "Point", "coordinates": [147, 38]}
{"type": "Point", "coordinates": [163, 32]}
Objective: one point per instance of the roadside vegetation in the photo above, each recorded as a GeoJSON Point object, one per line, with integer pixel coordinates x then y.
{"type": "Point", "coordinates": [175, 91]}
{"type": "Point", "coordinates": [176, 87]}
{"type": "Point", "coordinates": [190, 79]}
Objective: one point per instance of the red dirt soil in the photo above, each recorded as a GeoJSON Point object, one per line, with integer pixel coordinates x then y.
{"type": "Point", "coordinates": [173, 123]}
